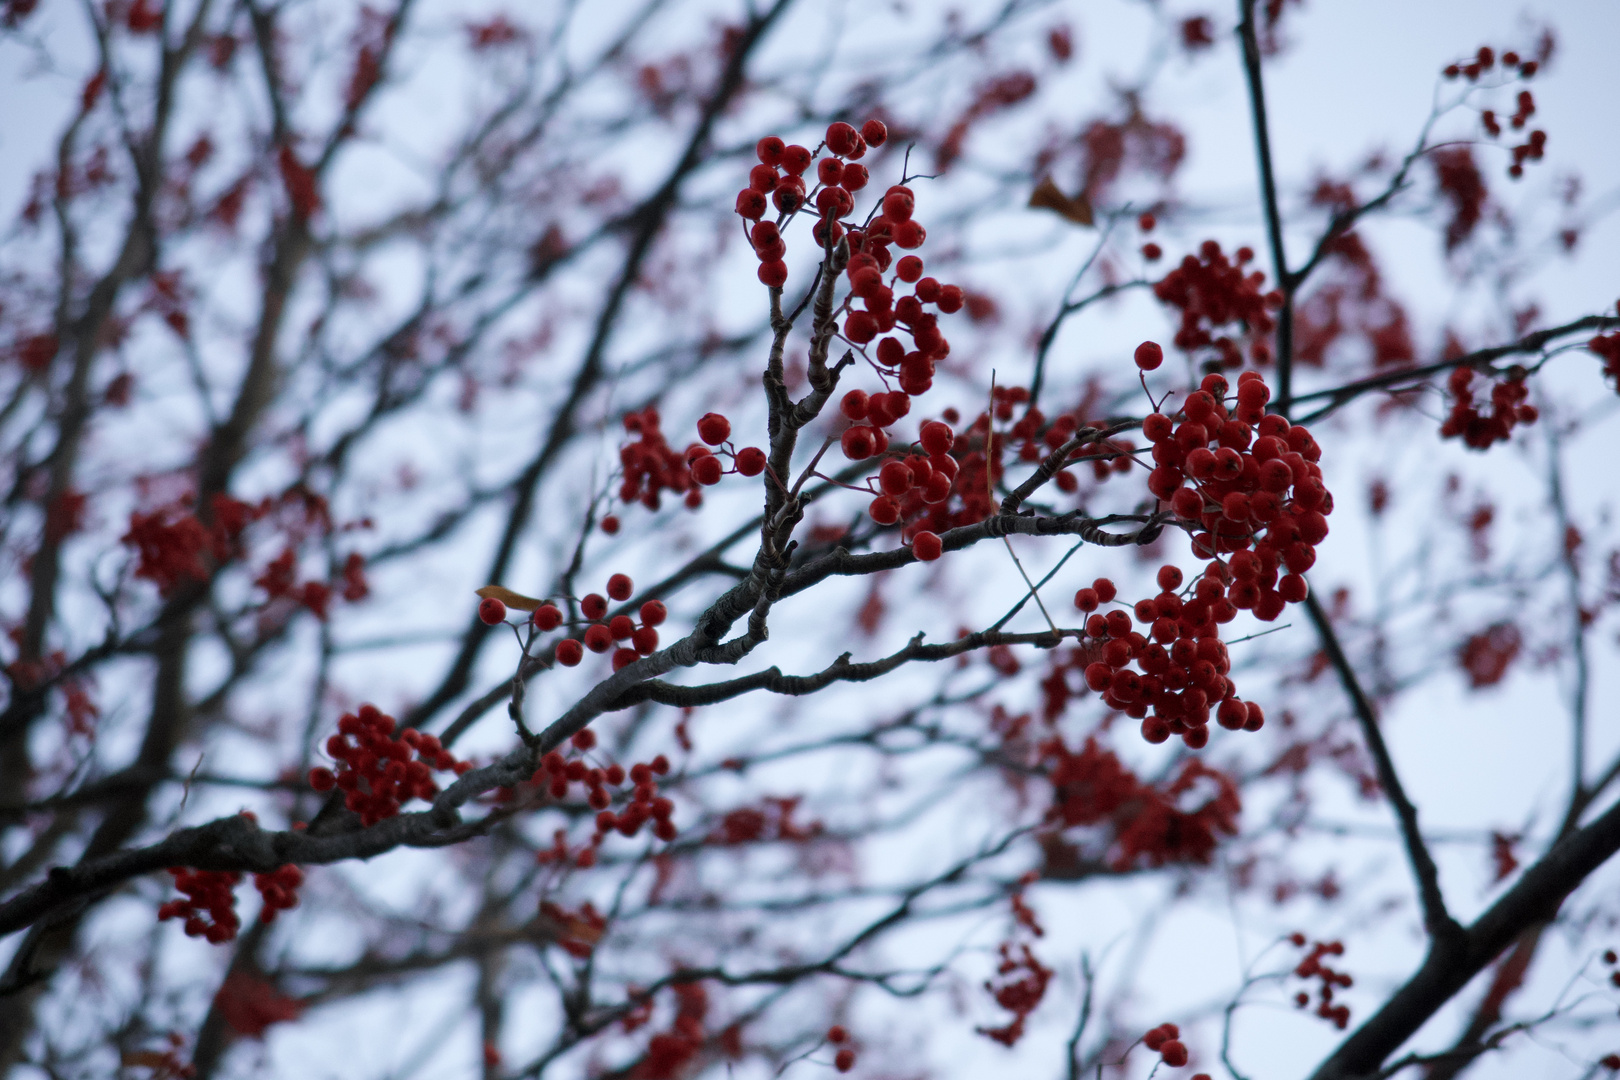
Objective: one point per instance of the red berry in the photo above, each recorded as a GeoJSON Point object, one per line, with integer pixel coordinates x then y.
{"type": "Point", "coordinates": [837, 1034]}
{"type": "Point", "coordinates": [1149, 355]}
{"type": "Point", "coordinates": [844, 1060]}
{"type": "Point", "coordinates": [610, 525]}
{"type": "Point", "coordinates": [854, 404]}
{"type": "Point", "coordinates": [491, 611]}
{"type": "Point", "coordinates": [1169, 578]}
{"type": "Point", "coordinates": [950, 299]}
{"type": "Point", "coordinates": [936, 438]}
{"type": "Point", "coordinates": [927, 546]}
{"type": "Point", "coordinates": [750, 461]}
{"type": "Point", "coordinates": [322, 779]}
{"type": "Point", "coordinates": [569, 652]}
{"type": "Point", "coordinates": [841, 138]}
{"type": "Point", "coordinates": [1105, 590]}
{"type": "Point", "coordinates": [1174, 1052]}
{"type": "Point", "coordinates": [884, 510]}
{"type": "Point", "coordinates": [547, 617]}
{"type": "Point", "coordinates": [751, 204]}
{"type": "Point", "coordinates": [854, 177]}
{"type": "Point", "coordinates": [584, 740]}
{"type": "Point", "coordinates": [770, 150]}
{"type": "Point", "coordinates": [795, 159]}
{"type": "Point", "coordinates": [707, 469]}
{"type": "Point", "coordinates": [653, 613]}
{"type": "Point", "coordinates": [874, 132]}
{"type": "Point", "coordinates": [909, 268]}
{"type": "Point", "coordinates": [859, 443]}
{"type": "Point", "coordinates": [594, 606]}
{"type": "Point", "coordinates": [598, 638]}
{"type": "Point", "coordinates": [619, 587]}
{"type": "Point", "coordinates": [774, 274]}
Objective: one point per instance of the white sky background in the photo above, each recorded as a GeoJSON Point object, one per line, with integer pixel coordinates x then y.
{"type": "Point", "coordinates": [1356, 78]}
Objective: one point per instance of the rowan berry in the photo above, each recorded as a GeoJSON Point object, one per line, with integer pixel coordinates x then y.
{"type": "Point", "coordinates": [936, 438]}
{"type": "Point", "coordinates": [895, 478]}
{"type": "Point", "coordinates": [841, 138]}
{"type": "Point", "coordinates": [773, 275]}
{"type": "Point", "coordinates": [624, 657]}
{"type": "Point", "coordinates": [844, 1060]}
{"type": "Point", "coordinates": [789, 195]}
{"type": "Point", "coordinates": [593, 605]}
{"type": "Point", "coordinates": [1149, 355]}
{"type": "Point", "coordinates": [547, 617]}
{"type": "Point", "coordinates": [837, 1034]}
{"type": "Point", "coordinates": [751, 204]}
{"type": "Point", "coordinates": [750, 461]}
{"type": "Point", "coordinates": [1106, 591]}
{"type": "Point", "coordinates": [854, 177]}
{"type": "Point", "coordinates": [795, 159]}
{"type": "Point", "coordinates": [645, 640]}
{"type": "Point", "coordinates": [830, 171]}
{"type": "Point", "coordinates": [1169, 578]}
{"type": "Point", "coordinates": [1292, 588]}
{"type": "Point", "coordinates": [653, 613]}
{"type": "Point", "coordinates": [927, 546]}
{"type": "Point", "coordinates": [322, 779]}
{"type": "Point", "coordinates": [621, 627]}
{"type": "Point", "coordinates": [884, 510]}
{"type": "Point", "coordinates": [598, 638]}
{"type": "Point", "coordinates": [491, 611]}
{"type": "Point", "coordinates": [619, 587]}
{"type": "Point", "coordinates": [1157, 426]}
{"type": "Point", "coordinates": [610, 525]}
{"type": "Point", "coordinates": [659, 764]}
{"type": "Point", "coordinates": [950, 299]}
{"type": "Point", "coordinates": [769, 149]}
{"type": "Point", "coordinates": [584, 740]}
{"type": "Point", "coordinates": [859, 443]}
{"type": "Point", "coordinates": [707, 470]}
{"type": "Point", "coordinates": [763, 179]}
{"type": "Point", "coordinates": [1119, 623]}
{"type": "Point", "coordinates": [1086, 600]}
{"type": "Point", "coordinates": [874, 132]}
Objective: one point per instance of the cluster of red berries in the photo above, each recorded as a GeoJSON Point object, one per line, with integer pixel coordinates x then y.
{"type": "Point", "coordinates": [603, 632]}
{"type": "Point", "coordinates": [1257, 496]}
{"type": "Point", "coordinates": [557, 773]}
{"type": "Point", "coordinates": [1312, 967]}
{"type": "Point", "coordinates": [375, 769]}
{"type": "Point", "coordinates": [1213, 291]}
{"type": "Point", "coordinates": [1485, 59]}
{"type": "Point", "coordinates": [1526, 108]}
{"type": "Point", "coordinates": [209, 907]}
{"type": "Point", "coordinates": [1479, 431]}
{"type": "Point", "coordinates": [577, 931]}
{"type": "Point", "coordinates": [844, 1059]}
{"type": "Point", "coordinates": [1150, 251]}
{"type": "Point", "coordinates": [1092, 785]}
{"type": "Point", "coordinates": [1607, 346]}
{"type": "Point", "coordinates": [1020, 984]}
{"type": "Point", "coordinates": [714, 429]}
{"type": "Point", "coordinates": [1165, 1040]}
{"type": "Point", "coordinates": [279, 888]}
{"type": "Point", "coordinates": [780, 175]}
{"type": "Point", "coordinates": [1533, 148]}
{"type": "Point", "coordinates": [651, 466]}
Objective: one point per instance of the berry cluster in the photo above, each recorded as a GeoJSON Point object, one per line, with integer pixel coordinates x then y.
{"type": "Point", "coordinates": [557, 773]}
{"type": "Point", "coordinates": [780, 175]}
{"type": "Point", "coordinates": [1479, 431]}
{"type": "Point", "coordinates": [279, 888]}
{"type": "Point", "coordinates": [600, 635]}
{"type": "Point", "coordinates": [1312, 967]}
{"type": "Point", "coordinates": [1485, 60]}
{"type": "Point", "coordinates": [1213, 291]}
{"type": "Point", "coordinates": [1256, 496]}
{"type": "Point", "coordinates": [1018, 987]}
{"type": "Point", "coordinates": [1150, 827]}
{"type": "Point", "coordinates": [1607, 346]}
{"type": "Point", "coordinates": [375, 769]}
{"type": "Point", "coordinates": [209, 907]}
{"type": "Point", "coordinates": [1151, 252]}
{"type": "Point", "coordinates": [1165, 1040]}
{"type": "Point", "coordinates": [651, 466]}
{"type": "Point", "coordinates": [668, 1052]}
{"type": "Point", "coordinates": [844, 1059]}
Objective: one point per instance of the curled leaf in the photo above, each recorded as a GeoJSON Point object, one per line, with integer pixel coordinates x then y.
{"type": "Point", "coordinates": [508, 597]}
{"type": "Point", "coordinates": [1048, 196]}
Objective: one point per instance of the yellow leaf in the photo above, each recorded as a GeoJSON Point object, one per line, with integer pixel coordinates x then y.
{"type": "Point", "coordinates": [1048, 196]}
{"type": "Point", "coordinates": [508, 597]}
